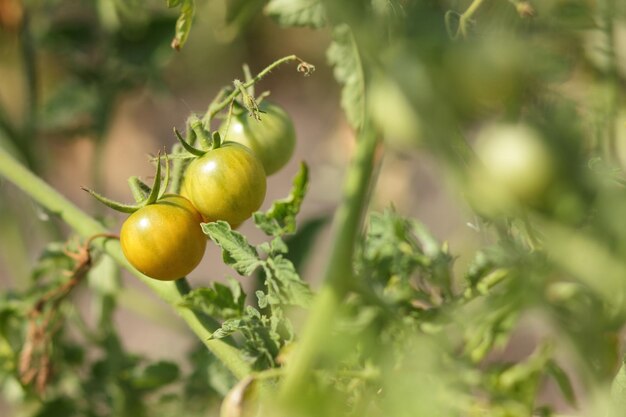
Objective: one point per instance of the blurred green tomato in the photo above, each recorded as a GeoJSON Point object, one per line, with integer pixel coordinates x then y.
{"type": "Point", "coordinates": [272, 139]}
{"type": "Point", "coordinates": [392, 113]}
{"type": "Point", "coordinates": [517, 166]}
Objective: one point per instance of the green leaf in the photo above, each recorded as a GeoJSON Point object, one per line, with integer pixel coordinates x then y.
{"type": "Point", "coordinates": [284, 285]}
{"type": "Point", "coordinates": [242, 11]}
{"type": "Point", "coordinates": [563, 381]}
{"type": "Point", "coordinates": [236, 251]}
{"type": "Point", "coordinates": [229, 327]}
{"type": "Point", "coordinates": [156, 375]}
{"type": "Point", "coordinates": [173, 3]}
{"type": "Point", "coordinates": [60, 406]}
{"type": "Point", "coordinates": [183, 24]}
{"type": "Point", "coordinates": [221, 301]}
{"type": "Point", "coordinates": [209, 379]}
{"type": "Point", "coordinates": [52, 260]}
{"type": "Point", "coordinates": [308, 13]}
{"type": "Point", "coordinates": [72, 105]}
{"type": "Point", "coordinates": [343, 55]}
{"type": "Point", "coordinates": [281, 217]}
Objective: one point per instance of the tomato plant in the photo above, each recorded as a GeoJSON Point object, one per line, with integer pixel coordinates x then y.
{"type": "Point", "coordinates": [272, 138]}
{"type": "Point", "coordinates": [227, 183]}
{"type": "Point", "coordinates": [164, 240]}
{"type": "Point", "coordinates": [497, 123]}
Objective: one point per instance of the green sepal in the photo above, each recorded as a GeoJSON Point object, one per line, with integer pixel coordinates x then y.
{"type": "Point", "coordinates": [191, 149]}
{"type": "Point", "coordinates": [166, 181]}
{"type": "Point", "coordinates": [124, 208]}
{"type": "Point", "coordinates": [138, 188]}
{"type": "Point", "coordinates": [156, 185]}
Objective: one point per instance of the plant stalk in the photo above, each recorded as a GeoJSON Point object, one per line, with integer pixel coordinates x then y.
{"type": "Point", "coordinates": [339, 272]}
{"type": "Point", "coordinates": [86, 226]}
{"type": "Point", "coordinates": [215, 108]}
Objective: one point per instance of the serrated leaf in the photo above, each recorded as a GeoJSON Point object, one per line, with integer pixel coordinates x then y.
{"type": "Point", "coordinates": [277, 245]}
{"type": "Point", "coordinates": [183, 24]}
{"type": "Point", "coordinates": [262, 299]}
{"type": "Point", "coordinates": [281, 217]}
{"type": "Point", "coordinates": [343, 55]}
{"type": "Point", "coordinates": [228, 327]}
{"type": "Point", "coordinates": [221, 301]}
{"type": "Point", "coordinates": [309, 13]}
{"type": "Point", "coordinates": [236, 251]}
{"type": "Point", "coordinates": [283, 283]}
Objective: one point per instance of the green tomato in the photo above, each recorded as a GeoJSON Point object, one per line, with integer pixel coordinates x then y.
{"type": "Point", "coordinates": [518, 163]}
{"type": "Point", "coordinates": [393, 115]}
{"type": "Point", "coordinates": [164, 240]}
{"type": "Point", "coordinates": [227, 183]}
{"type": "Point", "coordinates": [272, 139]}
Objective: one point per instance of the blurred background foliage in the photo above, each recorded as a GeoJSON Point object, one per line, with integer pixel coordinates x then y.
{"type": "Point", "coordinates": [512, 306]}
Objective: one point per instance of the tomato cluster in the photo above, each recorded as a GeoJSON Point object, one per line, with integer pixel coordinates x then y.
{"type": "Point", "coordinates": [163, 237]}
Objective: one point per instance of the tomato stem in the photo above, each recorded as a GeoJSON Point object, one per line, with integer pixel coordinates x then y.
{"type": "Point", "coordinates": [217, 140]}
{"type": "Point", "coordinates": [464, 19]}
{"type": "Point", "coordinates": [339, 274]}
{"type": "Point", "coordinates": [156, 185]}
{"type": "Point", "coordinates": [217, 107]}
{"type": "Point", "coordinates": [198, 129]}
{"type": "Point", "coordinates": [248, 77]}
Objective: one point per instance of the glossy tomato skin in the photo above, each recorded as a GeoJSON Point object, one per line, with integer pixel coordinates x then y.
{"type": "Point", "coordinates": [272, 139]}
{"type": "Point", "coordinates": [227, 183]}
{"type": "Point", "coordinates": [164, 240]}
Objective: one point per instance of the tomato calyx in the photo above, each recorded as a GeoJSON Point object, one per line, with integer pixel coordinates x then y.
{"type": "Point", "coordinates": [144, 195]}
{"type": "Point", "coordinates": [199, 131]}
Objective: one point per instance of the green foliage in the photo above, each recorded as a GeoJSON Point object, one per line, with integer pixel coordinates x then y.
{"type": "Point", "coordinates": [280, 219]}
{"type": "Point", "coordinates": [415, 327]}
{"type": "Point", "coordinates": [221, 301]}
{"type": "Point", "coordinates": [236, 251]}
{"type": "Point", "coordinates": [183, 23]}
{"type": "Point", "coordinates": [265, 329]}
{"type": "Point", "coordinates": [309, 13]}
{"type": "Point", "coordinates": [343, 55]}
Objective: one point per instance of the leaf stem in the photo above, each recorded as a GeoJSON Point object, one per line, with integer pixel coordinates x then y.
{"type": "Point", "coordinates": [464, 18]}
{"type": "Point", "coordinates": [215, 108]}
{"type": "Point", "coordinates": [86, 226]}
